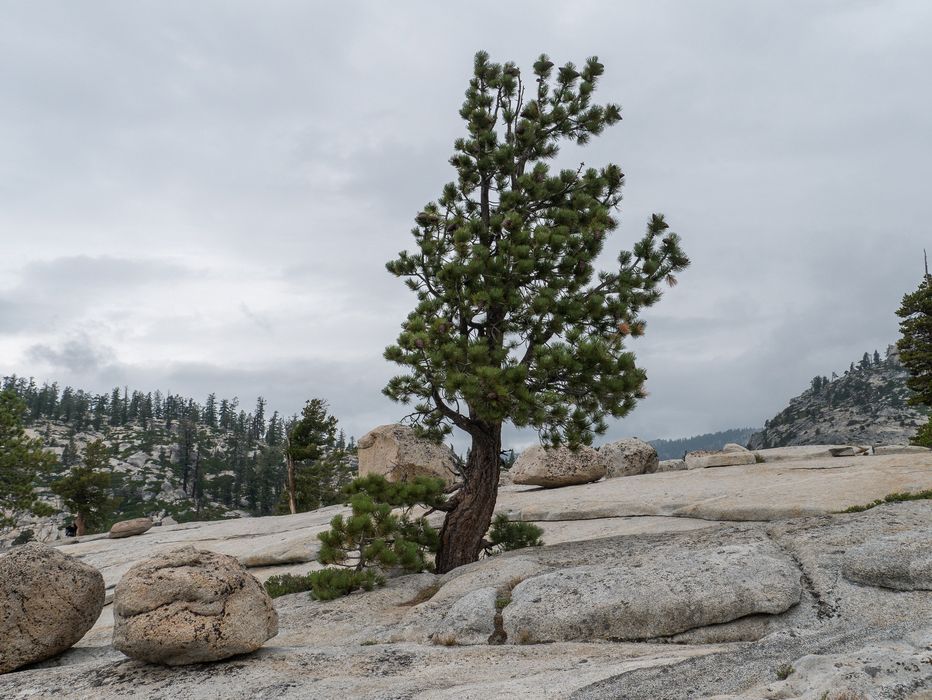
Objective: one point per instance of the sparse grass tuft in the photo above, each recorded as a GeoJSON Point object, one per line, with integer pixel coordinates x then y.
{"type": "Point", "coordinates": [502, 601]}
{"type": "Point", "coordinates": [784, 671]}
{"type": "Point", "coordinates": [892, 498]}
{"type": "Point", "coordinates": [423, 595]}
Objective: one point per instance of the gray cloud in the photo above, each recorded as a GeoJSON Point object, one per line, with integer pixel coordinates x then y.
{"type": "Point", "coordinates": [212, 190]}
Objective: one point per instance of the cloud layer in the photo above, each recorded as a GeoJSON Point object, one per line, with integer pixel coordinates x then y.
{"type": "Point", "coordinates": [202, 197]}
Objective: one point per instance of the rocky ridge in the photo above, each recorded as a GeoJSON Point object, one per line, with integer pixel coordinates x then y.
{"type": "Point", "coordinates": [866, 405]}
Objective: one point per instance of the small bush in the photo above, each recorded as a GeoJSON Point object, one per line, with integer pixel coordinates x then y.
{"type": "Point", "coordinates": [329, 584]}
{"type": "Point", "coordinates": [506, 535]}
{"type": "Point", "coordinates": [285, 584]}
{"type": "Point", "coordinates": [923, 438]}
{"type": "Point", "coordinates": [375, 537]}
{"type": "Point", "coordinates": [24, 537]}
{"type": "Point", "coordinates": [891, 498]}
{"type": "Point", "coordinates": [784, 671]}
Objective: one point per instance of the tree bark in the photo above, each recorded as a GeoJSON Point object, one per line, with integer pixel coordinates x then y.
{"type": "Point", "coordinates": [80, 524]}
{"type": "Point", "coordinates": [292, 499]}
{"type": "Point", "coordinates": [465, 526]}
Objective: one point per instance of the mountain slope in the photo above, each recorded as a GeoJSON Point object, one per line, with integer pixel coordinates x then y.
{"type": "Point", "coordinates": [866, 405]}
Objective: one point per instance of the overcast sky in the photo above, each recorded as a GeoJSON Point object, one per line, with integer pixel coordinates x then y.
{"type": "Point", "coordinates": [201, 196]}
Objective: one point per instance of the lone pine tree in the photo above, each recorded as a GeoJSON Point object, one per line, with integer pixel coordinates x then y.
{"type": "Point", "coordinates": [915, 346]}
{"type": "Point", "coordinates": [513, 322]}
{"type": "Point", "coordinates": [85, 489]}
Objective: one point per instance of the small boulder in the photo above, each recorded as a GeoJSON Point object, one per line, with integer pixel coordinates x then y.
{"type": "Point", "coordinates": [902, 562]}
{"type": "Point", "coordinates": [470, 620]}
{"type": "Point", "coordinates": [188, 606]}
{"type": "Point", "coordinates": [560, 466]}
{"type": "Point", "coordinates": [671, 465]}
{"type": "Point", "coordinates": [398, 454]}
{"type": "Point", "coordinates": [704, 460]}
{"type": "Point", "coordinates": [129, 528]}
{"type": "Point", "coordinates": [848, 451]}
{"type": "Point", "coordinates": [48, 601]}
{"type": "Point", "coordinates": [628, 457]}
{"type": "Point", "coordinates": [734, 447]}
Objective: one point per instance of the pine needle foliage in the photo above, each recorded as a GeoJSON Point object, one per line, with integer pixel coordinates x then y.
{"type": "Point", "coordinates": [380, 535]}
{"type": "Point", "coordinates": [915, 343]}
{"type": "Point", "coordinates": [915, 346]}
{"type": "Point", "coordinates": [506, 535]}
{"type": "Point", "coordinates": [22, 459]}
{"type": "Point", "coordinates": [85, 489]}
{"type": "Point", "coordinates": [515, 318]}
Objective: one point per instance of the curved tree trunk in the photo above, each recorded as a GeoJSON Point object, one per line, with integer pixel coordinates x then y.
{"type": "Point", "coordinates": [292, 489]}
{"type": "Point", "coordinates": [465, 526]}
{"type": "Point", "coordinates": [80, 524]}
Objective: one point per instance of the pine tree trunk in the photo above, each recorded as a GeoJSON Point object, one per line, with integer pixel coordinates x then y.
{"type": "Point", "coordinates": [465, 526]}
{"type": "Point", "coordinates": [292, 499]}
{"type": "Point", "coordinates": [79, 524]}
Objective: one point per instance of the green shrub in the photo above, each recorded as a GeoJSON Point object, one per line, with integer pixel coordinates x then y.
{"type": "Point", "coordinates": [891, 498]}
{"type": "Point", "coordinates": [285, 584]}
{"type": "Point", "coordinates": [784, 671]}
{"type": "Point", "coordinates": [506, 535]}
{"type": "Point", "coordinates": [375, 538]}
{"type": "Point", "coordinates": [923, 438]}
{"type": "Point", "coordinates": [24, 537]}
{"type": "Point", "coordinates": [328, 584]}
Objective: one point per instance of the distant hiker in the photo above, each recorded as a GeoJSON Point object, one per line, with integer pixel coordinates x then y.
{"type": "Point", "coordinates": [71, 530]}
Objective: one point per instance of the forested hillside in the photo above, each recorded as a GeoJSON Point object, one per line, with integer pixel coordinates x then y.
{"type": "Point", "coordinates": [170, 455]}
{"type": "Point", "coordinates": [675, 449]}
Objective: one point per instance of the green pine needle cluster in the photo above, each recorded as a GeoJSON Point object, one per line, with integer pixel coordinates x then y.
{"type": "Point", "coordinates": [514, 319]}
{"type": "Point", "coordinates": [22, 460]}
{"type": "Point", "coordinates": [380, 535]}
{"type": "Point", "coordinates": [505, 536]}
{"type": "Point", "coordinates": [915, 348]}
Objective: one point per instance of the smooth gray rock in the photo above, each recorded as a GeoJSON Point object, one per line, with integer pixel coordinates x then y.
{"type": "Point", "coordinates": [704, 460]}
{"type": "Point", "coordinates": [902, 561]}
{"type": "Point", "coordinates": [48, 601]}
{"type": "Point", "coordinates": [560, 466]}
{"type": "Point", "coordinates": [628, 457]}
{"type": "Point", "coordinates": [671, 465]}
{"type": "Point", "coordinates": [187, 606]}
{"type": "Point", "coordinates": [470, 620]}
{"type": "Point", "coordinates": [682, 591]}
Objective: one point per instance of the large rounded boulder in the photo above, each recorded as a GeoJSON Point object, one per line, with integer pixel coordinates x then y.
{"type": "Point", "coordinates": [629, 457]}
{"type": "Point", "coordinates": [397, 453]}
{"type": "Point", "coordinates": [558, 466]}
{"type": "Point", "coordinates": [48, 601]}
{"type": "Point", "coordinates": [188, 606]}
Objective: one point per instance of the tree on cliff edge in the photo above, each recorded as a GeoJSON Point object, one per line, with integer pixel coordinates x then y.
{"type": "Point", "coordinates": [512, 322]}
{"type": "Point", "coordinates": [915, 348]}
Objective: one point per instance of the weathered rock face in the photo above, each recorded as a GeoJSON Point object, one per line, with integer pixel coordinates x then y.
{"type": "Point", "coordinates": [865, 407]}
{"type": "Point", "coordinates": [671, 465]}
{"type": "Point", "coordinates": [704, 460]}
{"type": "Point", "coordinates": [470, 620]}
{"type": "Point", "coordinates": [628, 457]}
{"type": "Point", "coordinates": [902, 561]}
{"type": "Point", "coordinates": [662, 597]}
{"type": "Point", "coordinates": [395, 452]}
{"type": "Point", "coordinates": [561, 466]}
{"type": "Point", "coordinates": [128, 528]}
{"type": "Point", "coordinates": [47, 602]}
{"type": "Point", "coordinates": [187, 606]}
